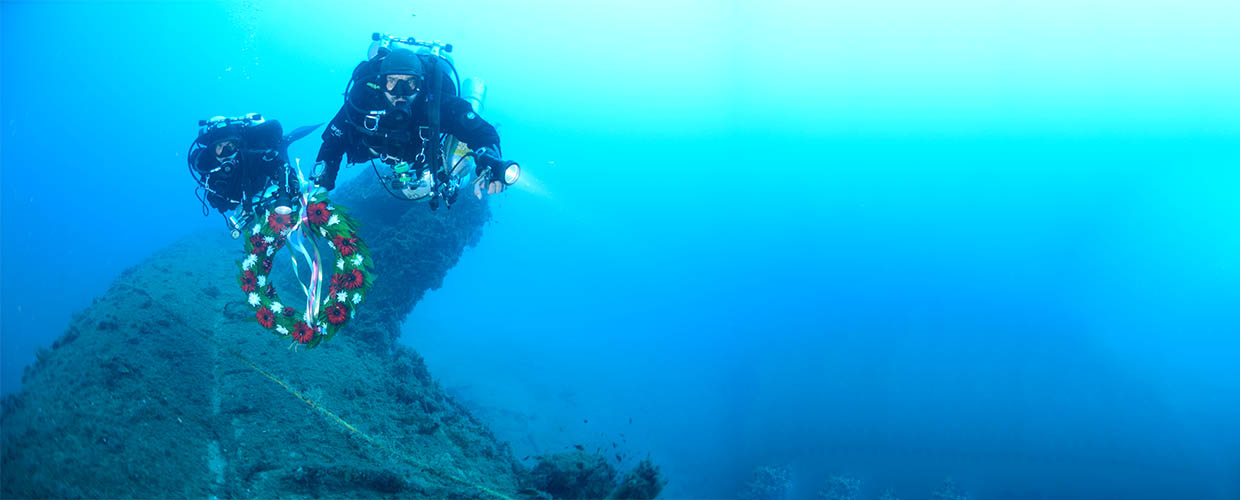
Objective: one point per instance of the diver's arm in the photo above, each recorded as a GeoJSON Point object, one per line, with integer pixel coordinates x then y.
{"type": "Point", "coordinates": [335, 143]}
{"type": "Point", "coordinates": [331, 167]}
{"type": "Point", "coordinates": [460, 120]}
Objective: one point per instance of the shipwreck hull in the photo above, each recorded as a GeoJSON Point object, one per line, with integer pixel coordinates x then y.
{"type": "Point", "coordinates": [166, 387]}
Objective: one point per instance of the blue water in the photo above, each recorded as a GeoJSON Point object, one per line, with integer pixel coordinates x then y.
{"type": "Point", "coordinates": [996, 241]}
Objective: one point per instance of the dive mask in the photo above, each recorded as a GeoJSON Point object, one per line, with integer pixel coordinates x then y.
{"type": "Point", "coordinates": [404, 88]}
{"type": "Point", "coordinates": [225, 153]}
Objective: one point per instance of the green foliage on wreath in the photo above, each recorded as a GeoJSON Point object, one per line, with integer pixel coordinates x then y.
{"type": "Point", "coordinates": [350, 269]}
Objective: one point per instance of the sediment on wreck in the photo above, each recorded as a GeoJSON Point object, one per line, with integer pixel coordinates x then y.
{"type": "Point", "coordinates": [165, 387]}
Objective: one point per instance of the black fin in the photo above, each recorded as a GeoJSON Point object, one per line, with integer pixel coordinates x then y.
{"type": "Point", "coordinates": [298, 133]}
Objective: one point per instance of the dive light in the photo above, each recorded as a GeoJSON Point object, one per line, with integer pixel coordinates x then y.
{"type": "Point", "coordinates": [511, 172]}
{"type": "Point", "coordinates": [499, 169]}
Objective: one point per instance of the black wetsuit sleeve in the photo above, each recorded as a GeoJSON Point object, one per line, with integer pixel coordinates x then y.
{"type": "Point", "coordinates": [335, 140]}
{"type": "Point", "coordinates": [459, 119]}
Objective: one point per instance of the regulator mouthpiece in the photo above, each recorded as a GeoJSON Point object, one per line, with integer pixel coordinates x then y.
{"type": "Point", "coordinates": [402, 111]}
{"type": "Point", "coordinates": [227, 156]}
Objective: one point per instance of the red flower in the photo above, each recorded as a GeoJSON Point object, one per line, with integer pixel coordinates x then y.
{"type": "Point", "coordinates": [318, 214]}
{"type": "Point", "coordinates": [346, 246]}
{"type": "Point", "coordinates": [267, 265]}
{"type": "Point", "coordinates": [337, 313]}
{"type": "Point", "coordinates": [270, 291]}
{"type": "Point", "coordinates": [265, 317]}
{"type": "Point", "coordinates": [258, 244]}
{"type": "Point", "coordinates": [349, 281]}
{"type": "Point", "coordinates": [302, 332]}
{"type": "Point", "coordinates": [278, 222]}
{"type": "Point", "coordinates": [288, 311]}
{"type": "Point", "coordinates": [249, 282]}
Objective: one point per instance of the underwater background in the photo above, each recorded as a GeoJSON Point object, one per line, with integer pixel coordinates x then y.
{"type": "Point", "coordinates": [997, 242]}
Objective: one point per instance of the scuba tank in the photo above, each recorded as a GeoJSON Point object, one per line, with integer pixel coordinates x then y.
{"type": "Point", "coordinates": [474, 91]}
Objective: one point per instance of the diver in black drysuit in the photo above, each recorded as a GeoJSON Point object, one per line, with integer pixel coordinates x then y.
{"type": "Point", "coordinates": [238, 160]}
{"type": "Point", "coordinates": [395, 82]}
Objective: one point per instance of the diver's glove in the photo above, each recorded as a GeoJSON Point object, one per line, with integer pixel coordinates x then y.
{"type": "Point", "coordinates": [327, 179]}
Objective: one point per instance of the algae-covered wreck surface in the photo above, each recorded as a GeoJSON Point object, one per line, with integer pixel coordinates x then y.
{"type": "Point", "coordinates": [166, 387]}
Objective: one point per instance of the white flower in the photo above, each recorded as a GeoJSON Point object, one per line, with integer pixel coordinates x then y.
{"type": "Point", "coordinates": [340, 264]}
{"type": "Point", "coordinates": [276, 307]}
{"type": "Point", "coordinates": [262, 281]}
{"type": "Point", "coordinates": [258, 228]}
{"type": "Point", "coordinates": [254, 299]}
{"type": "Point", "coordinates": [357, 260]}
{"type": "Point", "coordinates": [270, 250]}
{"type": "Point", "coordinates": [269, 239]}
{"type": "Point", "coordinates": [282, 329]}
{"type": "Point", "coordinates": [333, 220]}
{"type": "Point", "coordinates": [357, 298]}
{"type": "Point", "coordinates": [323, 231]}
{"type": "Point", "coordinates": [329, 243]}
{"type": "Point", "coordinates": [249, 262]}
{"type": "Point", "coordinates": [342, 296]}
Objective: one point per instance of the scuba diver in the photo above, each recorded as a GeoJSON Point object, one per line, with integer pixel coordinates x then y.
{"type": "Point", "coordinates": [242, 164]}
{"type": "Point", "coordinates": [403, 108]}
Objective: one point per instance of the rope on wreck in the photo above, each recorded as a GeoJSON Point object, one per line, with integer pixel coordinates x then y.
{"type": "Point", "coordinates": [365, 437]}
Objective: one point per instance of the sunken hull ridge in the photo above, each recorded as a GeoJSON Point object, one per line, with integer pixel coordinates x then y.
{"type": "Point", "coordinates": [166, 387]}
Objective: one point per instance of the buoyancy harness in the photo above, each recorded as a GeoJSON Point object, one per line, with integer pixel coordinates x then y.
{"type": "Point", "coordinates": [422, 171]}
